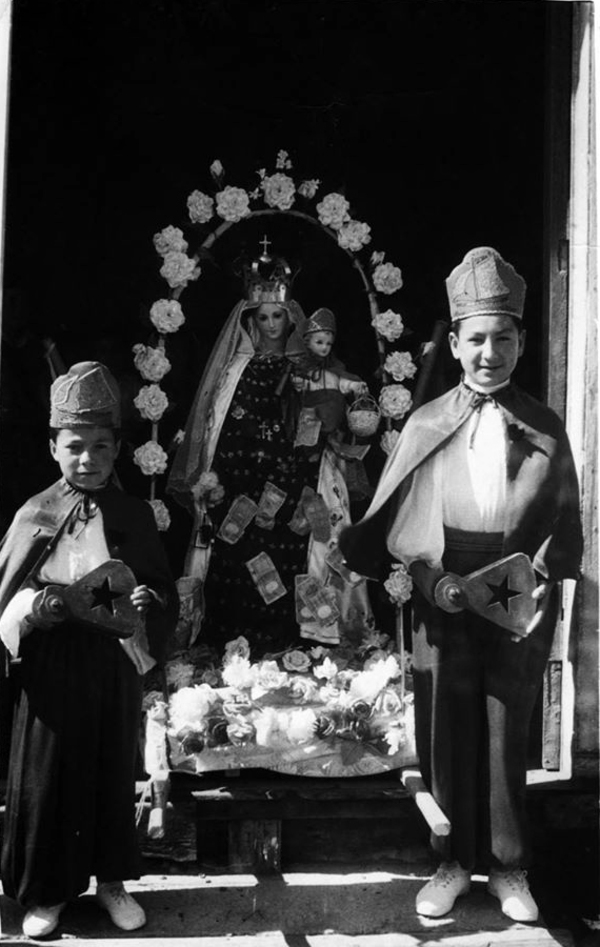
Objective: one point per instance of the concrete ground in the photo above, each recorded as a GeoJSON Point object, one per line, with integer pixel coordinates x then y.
{"type": "Point", "coordinates": [299, 909]}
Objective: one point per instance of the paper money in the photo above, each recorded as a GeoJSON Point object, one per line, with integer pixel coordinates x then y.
{"type": "Point", "coordinates": [270, 503]}
{"type": "Point", "coordinates": [266, 578]}
{"type": "Point", "coordinates": [317, 514]}
{"type": "Point", "coordinates": [335, 561]}
{"type": "Point", "coordinates": [239, 516]}
{"type": "Point", "coordinates": [319, 599]}
{"type": "Point", "coordinates": [299, 523]}
{"type": "Point", "coordinates": [308, 428]}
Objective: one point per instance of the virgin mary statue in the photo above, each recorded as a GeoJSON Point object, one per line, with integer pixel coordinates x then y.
{"type": "Point", "coordinates": [267, 515]}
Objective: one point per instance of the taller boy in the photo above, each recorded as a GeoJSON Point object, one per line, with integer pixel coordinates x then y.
{"type": "Point", "coordinates": [478, 474]}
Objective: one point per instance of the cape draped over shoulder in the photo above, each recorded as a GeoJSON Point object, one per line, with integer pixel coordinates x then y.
{"type": "Point", "coordinates": [543, 517]}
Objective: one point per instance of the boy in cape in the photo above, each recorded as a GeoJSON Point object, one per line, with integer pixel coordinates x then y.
{"type": "Point", "coordinates": [479, 474]}
{"type": "Point", "coordinates": [70, 805]}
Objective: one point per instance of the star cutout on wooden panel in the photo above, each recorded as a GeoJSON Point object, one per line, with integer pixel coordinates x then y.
{"type": "Point", "coordinates": [501, 594]}
{"type": "Point", "coordinates": [103, 595]}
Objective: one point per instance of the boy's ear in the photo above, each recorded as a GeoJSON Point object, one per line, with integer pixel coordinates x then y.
{"type": "Point", "coordinates": [52, 444]}
{"type": "Point", "coordinates": [522, 335]}
{"type": "Point", "coordinates": [453, 343]}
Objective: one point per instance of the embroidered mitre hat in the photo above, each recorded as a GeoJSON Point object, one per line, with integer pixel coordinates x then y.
{"type": "Point", "coordinates": [87, 395]}
{"type": "Point", "coordinates": [322, 320]}
{"type": "Point", "coordinates": [485, 285]}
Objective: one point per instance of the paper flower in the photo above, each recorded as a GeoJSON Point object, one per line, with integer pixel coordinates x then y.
{"type": "Point", "coordinates": [166, 315]}
{"type": "Point", "coordinates": [279, 191]}
{"type": "Point", "coordinates": [209, 488]}
{"type": "Point", "coordinates": [161, 515]}
{"type": "Point", "coordinates": [395, 401]}
{"type": "Point", "coordinates": [309, 188]}
{"type": "Point", "coordinates": [237, 647]}
{"type": "Point", "coordinates": [303, 689]}
{"type": "Point", "coordinates": [399, 584]}
{"type": "Point", "coordinates": [170, 240]}
{"type": "Point", "coordinates": [269, 677]}
{"type": "Point", "coordinates": [200, 207]}
{"type": "Point", "coordinates": [283, 162]}
{"type": "Point", "coordinates": [232, 204]}
{"type": "Point", "coordinates": [151, 363]}
{"type": "Point", "coordinates": [388, 324]}
{"type": "Point", "coordinates": [333, 211]}
{"type": "Point", "coordinates": [179, 674]}
{"type": "Point", "coordinates": [387, 278]}
{"type": "Point", "coordinates": [178, 269]}
{"type": "Point", "coordinates": [400, 366]}
{"type": "Point", "coordinates": [354, 235]}
{"type": "Point", "coordinates": [388, 440]}
{"type": "Point", "coordinates": [151, 402]}
{"type": "Point", "coordinates": [150, 458]}
{"type": "Point", "coordinates": [239, 672]}
{"type": "Point", "coordinates": [217, 170]}
{"type": "Point", "coordinates": [296, 661]}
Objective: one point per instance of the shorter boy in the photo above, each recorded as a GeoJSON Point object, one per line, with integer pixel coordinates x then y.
{"type": "Point", "coordinates": [70, 805]}
{"type": "Point", "coordinates": [481, 473]}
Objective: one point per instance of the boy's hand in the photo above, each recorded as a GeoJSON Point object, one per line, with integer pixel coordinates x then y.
{"type": "Point", "coordinates": [542, 595]}
{"type": "Point", "coordinates": [142, 597]}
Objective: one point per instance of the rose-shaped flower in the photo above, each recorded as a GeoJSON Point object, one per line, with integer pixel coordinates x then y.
{"type": "Point", "coordinates": [395, 401]}
{"type": "Point", "coordinates": [239, 672]}
{"type": "Point", "coordinates": [354, 235]}
{"type": "Point", "coordinates": [237, 647]}
{"type": "Point", "coordinates": [217, 170]}
{"type": "Point", "coordinates": [301, 726]}
{"type": "Point", "coordinates": [166, 315]}
{"type": "Point", "coordinates": [150, 458]}
{"type": "Point", "coordinates": [170, 240]}
{"type": "Point", "coordinates": [279, 191]}
{"type": "Point", "coordinates": [200, 207]}
{"type": "Point", "coordinates": [232, 204]}
{"type": "Point", "coordinates": [296, 661]}
{"type": "Point", "coordinates": [387, 278]}
{"type": "Point", "coordinates": [374, 658]}
{"type": "Point", "coordinates": [399, 584]}
{"type": "Point", "coordinates": [388, 324]}
{"type": "Point", "coordinates": [216, 731]}
{"type": "Point", "coordinates": [178, 269]}
{"type": "Point", "coordinates": [361, 709]}
{"type": "Point", "coordinates": [318, 652]}
{"type": "Point", "coordinates": [192, 743]}
{"type": "Point", "coordinates": [162, 517]}
{"type": "Point", "coordinates": [303, 690]}
{"type": "Point", "coordinates": [388, 440]}
{"type": "Point", "coordinates": [324, 726]}
{"type": "Point", "coordinates": [328, 669]}
{"type": "Point", "coordinates": [309, 188]}
{"type": "Point", "coordinates": [208, 488]}
{"type": "Point", "coordinates": [179, 674]}
{"type": "Point", "coordinates": [388, 703]}
{"type": "Point", "coordinates": [151, 402]}
{"type": "Point", "coordinates": [333, 211]}
{"type": "Point", "coordinates": [151, 363]}
{"type": "Point", "coordinates": [283, 161]}
{"type": "Point", "coordinates": [269, 677]}
{"type": "Point", "coordinates": [236, 705]}
{"type": "Point", "coordinates": [189, 707]}
{"type": "Point", "coordinates": [400, 366]}
{"type": "Point", "coordinates": [209, 676]}
{"type": "Point", "coordinates": [240, 732]}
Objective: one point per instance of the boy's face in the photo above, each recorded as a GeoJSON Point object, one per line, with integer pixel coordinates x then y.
{"type": "Point", "coordinates": [320, 343]}
{"type": "Point", "coordinates": [85, 455]}
{"type": "Point", "coordinates": [488, 348]}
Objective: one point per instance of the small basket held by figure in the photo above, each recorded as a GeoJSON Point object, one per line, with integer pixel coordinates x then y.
{"type": "Point", "coordinates": [363, 416]}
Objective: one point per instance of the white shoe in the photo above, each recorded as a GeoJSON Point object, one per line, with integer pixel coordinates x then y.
{"type": "Point", "coordinates": [512, 890]}
{"type": "Point", "coordinates": [40, 921]}
{"type": "Point", "coordinates": [439, 894]}
{"type": "Point", "coordinates": [124, 910]}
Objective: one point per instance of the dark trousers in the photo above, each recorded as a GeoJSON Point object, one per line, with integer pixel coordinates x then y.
{"type": "Point", "coordinates": [70, 806]}
{"type": "Point", "coordinates": [475, 691]}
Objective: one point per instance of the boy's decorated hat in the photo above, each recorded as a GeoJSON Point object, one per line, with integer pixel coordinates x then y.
{"type": "Point", "coordinates": [322, 320]}
{"type": "Point", "coordinates": [87, 395]}
{"type": "Point", "coordinates": [485, 285]}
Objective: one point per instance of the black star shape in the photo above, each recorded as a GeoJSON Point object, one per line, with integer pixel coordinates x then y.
{"type": "Point", "coordinates": [501, 594]}
{"type": "Point", "coordinates": [103, 595]}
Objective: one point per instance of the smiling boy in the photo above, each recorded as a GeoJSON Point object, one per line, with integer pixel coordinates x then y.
{"type": "Point", "coordinates": [481, 473]}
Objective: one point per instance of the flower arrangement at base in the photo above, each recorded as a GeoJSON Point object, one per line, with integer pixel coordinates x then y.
{"type": "Point", "coordinates": [318, 711]}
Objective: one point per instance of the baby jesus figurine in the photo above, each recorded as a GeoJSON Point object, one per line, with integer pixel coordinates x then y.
{"type": "Point", "coordinates": [323, 382]}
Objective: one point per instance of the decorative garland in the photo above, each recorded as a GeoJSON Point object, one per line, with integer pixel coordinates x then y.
{"type": "Point", "coordinates": [276, 193]}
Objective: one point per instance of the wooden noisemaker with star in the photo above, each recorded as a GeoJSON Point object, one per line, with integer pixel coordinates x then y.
{"type": "Point", "coordinates": [500, 593]}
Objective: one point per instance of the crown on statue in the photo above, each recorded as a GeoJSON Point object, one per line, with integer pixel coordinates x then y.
{"type": "Point", "coordinates": [267, 279]}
